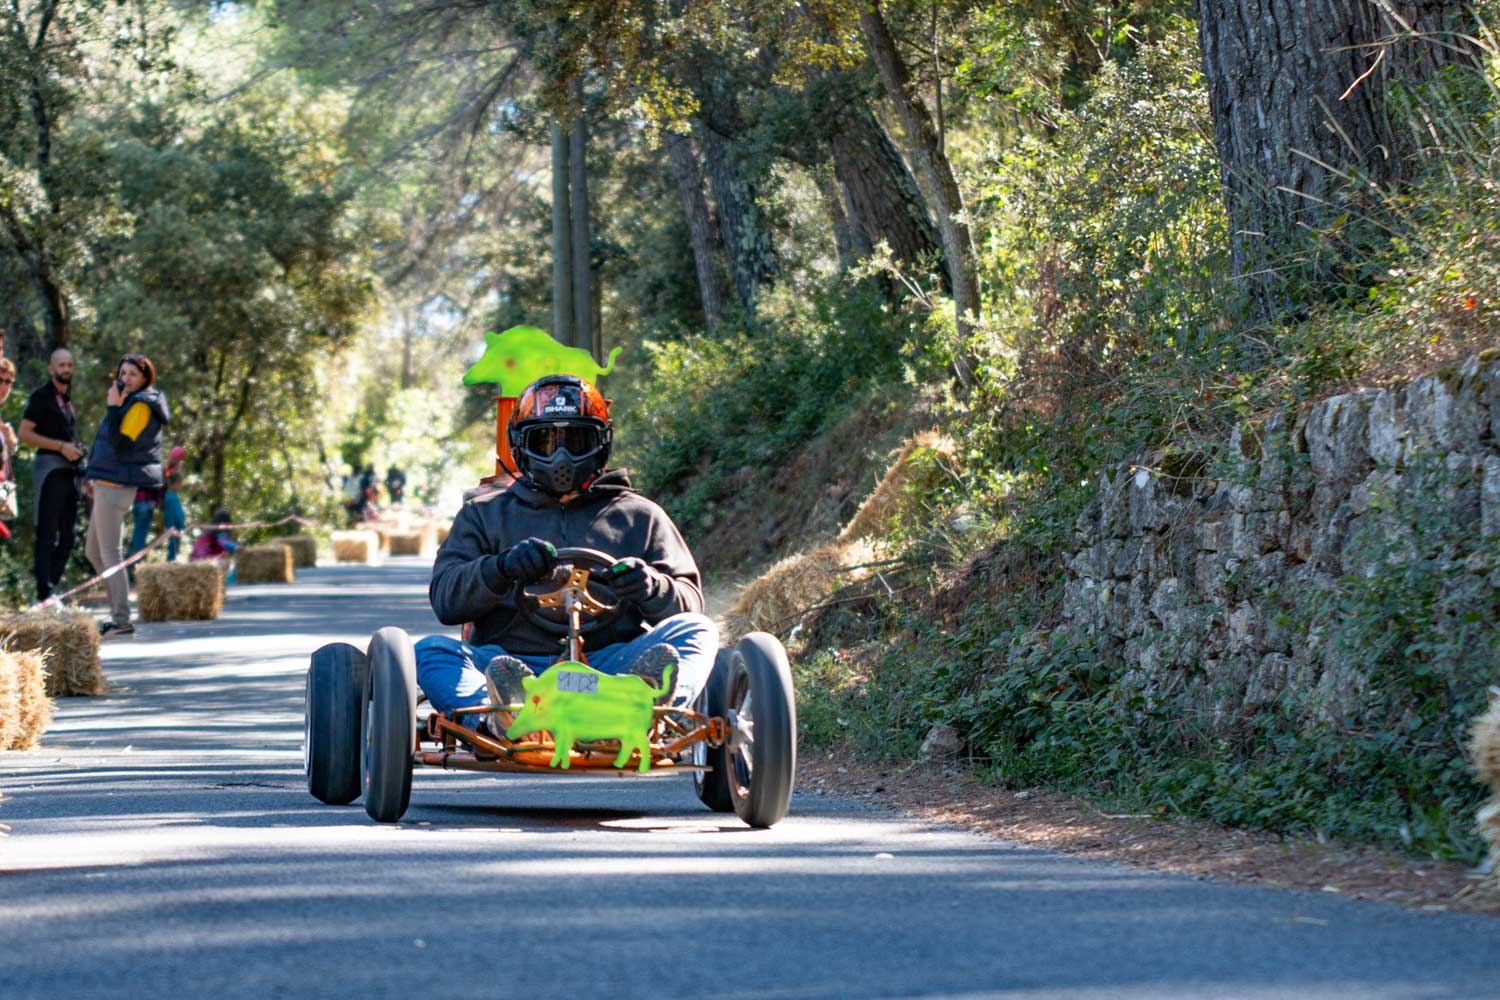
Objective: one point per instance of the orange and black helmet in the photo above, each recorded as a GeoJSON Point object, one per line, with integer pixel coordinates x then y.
{"type": "Point", "coordinates": [560, 433]}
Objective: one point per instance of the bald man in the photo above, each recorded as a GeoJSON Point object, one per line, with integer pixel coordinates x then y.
{"type": "Point", "coordinates": [50, 426]}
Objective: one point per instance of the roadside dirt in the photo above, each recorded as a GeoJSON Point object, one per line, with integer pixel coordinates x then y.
{"type": "Point", "coordinates": [950, 794]}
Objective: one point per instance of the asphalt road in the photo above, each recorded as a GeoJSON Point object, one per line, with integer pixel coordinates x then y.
{"type": "Point", "coordinates": [163, 845]}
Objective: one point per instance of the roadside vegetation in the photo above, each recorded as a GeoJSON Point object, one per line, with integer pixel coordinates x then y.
{"type": "Point", "coordinates": [816, 229]}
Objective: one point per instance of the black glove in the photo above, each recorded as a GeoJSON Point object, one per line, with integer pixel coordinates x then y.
{"type": "Point", "coordinates": [636, 583]}
{"type": "Point", "coordinates": [526, 561]}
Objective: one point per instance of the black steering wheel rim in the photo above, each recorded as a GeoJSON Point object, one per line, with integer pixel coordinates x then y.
{"type": "Point", "coordinates": [598, 564]}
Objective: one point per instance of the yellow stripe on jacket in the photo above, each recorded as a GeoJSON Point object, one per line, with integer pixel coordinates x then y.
{"type": "Point", "coordinates": [135, 420]}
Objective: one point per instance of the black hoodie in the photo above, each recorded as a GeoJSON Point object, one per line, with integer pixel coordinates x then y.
{"type": "Point", "coordinates": [608, 516]}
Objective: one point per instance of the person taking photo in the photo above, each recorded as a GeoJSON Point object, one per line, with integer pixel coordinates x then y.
{"type": "Point", "coordinates": [126, 456]}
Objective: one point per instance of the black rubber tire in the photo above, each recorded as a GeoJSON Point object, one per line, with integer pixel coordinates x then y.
{"type": "Point", "coordinates": [390, 725]}
{"type": "Point", "coordinates": [333, 711]}
{"type": "Point", "coordinates": [712, 785]}
{"type": "Point", "coordinates": [761, 774]}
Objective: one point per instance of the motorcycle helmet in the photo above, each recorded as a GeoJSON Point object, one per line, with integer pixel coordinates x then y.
{"type": "Point", "coordinates": [560, 434]}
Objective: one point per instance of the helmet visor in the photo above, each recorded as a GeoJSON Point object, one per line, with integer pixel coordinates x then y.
{"type": "Point", "coordinates": [576, 439]}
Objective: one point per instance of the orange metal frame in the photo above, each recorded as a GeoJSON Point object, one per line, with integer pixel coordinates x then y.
{"type": "Point", "coordinates": [673, 731]}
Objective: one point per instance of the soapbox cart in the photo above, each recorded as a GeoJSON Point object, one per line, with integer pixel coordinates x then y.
{"type": "Point", "coordinates": [363, 734]}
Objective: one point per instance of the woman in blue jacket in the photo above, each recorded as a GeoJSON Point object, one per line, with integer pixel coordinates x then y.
{"type": "Point", "coordinates": [126, 456]}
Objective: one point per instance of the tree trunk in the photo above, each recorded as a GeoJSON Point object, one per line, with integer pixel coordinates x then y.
{"type": "Point", "coordinates": [884, 202]}
{"type": "Point", "coordinates": [562, 239]}
{"type": "Point", "coordinates": [1299, 89]}
{"type": "Point", "coordinates": [582, 236]}
{"type": "Point", "coordinates": [852, 246]}
{"type": "Point", "coordinates": [688, 177]}
{"type": "Point", "coordinates": [747, 241]}
{"type": "Point", "coordinates": [928, 154]}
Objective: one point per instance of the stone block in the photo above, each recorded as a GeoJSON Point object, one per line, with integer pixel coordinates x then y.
{"type": "Point", "coordinates": [1267, 682]}
{"type": "Point", "coordinates": [1212, 536]}
{"type": "Point", "coordinates": [1337, 433]}
{"type": "Point", "coordinates": [1122, 558]}
{"type": "Point", "coordinates": [1489, 498]}
{"type": "Point", "coordinates": [1244, 626]}
{"type": "Point", "coordinates": [1209, 578]}
{"type": "Point", "coordinates": [1386, 430]}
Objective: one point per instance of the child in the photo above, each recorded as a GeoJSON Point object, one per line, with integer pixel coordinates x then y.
{"type": "Point", "coordinates": [215, 541]}
{"type": "Point", "coordinates": [172, 514]}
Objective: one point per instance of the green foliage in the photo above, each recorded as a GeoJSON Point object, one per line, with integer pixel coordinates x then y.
{"type": "Point", "coordinates": [713, 405]}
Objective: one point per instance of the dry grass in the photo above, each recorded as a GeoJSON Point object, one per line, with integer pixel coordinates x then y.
{"type": "Point", "coordinates": [264, 564]}
{"type": "Point", "coordinates": [192, 591]}
{"type": "Point", "coordinates": [304, 550]}
{"type": "Point", "coordinates": [777, 600]}
{"type": "Point", "coordinates": [418, 541]}
{"type": "Point", "coordinates": [25, 709]}
{"type": "Point", "coordinates": [888, 499]}
{"type": "Point", "coordinates": [355, 546]}
{"type": "Point", "coordinates": [69, 643]}
{"type": "Point", "coordinates": [1484, 752]}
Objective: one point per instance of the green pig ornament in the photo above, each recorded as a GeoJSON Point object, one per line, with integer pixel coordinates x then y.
{"type": "Point", "coordinates": [573, 701]}
{"type": "Point", "coordinates": [521, 355]}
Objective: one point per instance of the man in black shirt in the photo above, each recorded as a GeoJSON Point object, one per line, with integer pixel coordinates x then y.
{"type": "Point", "coordinates": [49, 426]}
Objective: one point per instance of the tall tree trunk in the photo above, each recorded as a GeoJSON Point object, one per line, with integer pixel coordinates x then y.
{"type": "Point", "coordinates": [582, 233]}
{"type": "Point", "coordinates": [884, 202]}
{"type": "Point", "coordinates": [852, 246]}
{"type": "Point", "coordinates": [928, 154]}
{"type": "Point", "coordinates": [562, 239]}
{"type": "Point", "coordinates": [688, 177]}
{"type": "Point", "coordinates": [747, 241]}
{"type": "Point", "coordinates": [1299, 89]}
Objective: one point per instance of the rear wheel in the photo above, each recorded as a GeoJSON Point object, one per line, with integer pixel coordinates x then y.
{"type": "Point", "coordinates": [762, 714]}
{"type": "Point", "coordinates": [390, 725]}
{"type": "Point", "coordinates": [712, 785]}
{"type": "Point", "coordinates": [332, 711]}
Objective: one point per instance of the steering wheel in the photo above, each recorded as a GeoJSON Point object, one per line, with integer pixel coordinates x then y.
{"type": "Point", "coordinates": [585, 571]}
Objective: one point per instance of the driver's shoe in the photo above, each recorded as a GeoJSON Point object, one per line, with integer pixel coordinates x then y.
{"type": "Point", "coordinates": [503, 678]}
{"type": "Point", "coordinates": [658, 665]}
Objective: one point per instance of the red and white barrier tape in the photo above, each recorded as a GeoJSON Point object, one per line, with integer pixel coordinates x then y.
{"type": "Point", "coordinates": [56, 599]}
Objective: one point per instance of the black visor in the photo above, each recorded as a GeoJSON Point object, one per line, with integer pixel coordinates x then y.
{"type": "Point", "coordinates": [576, 439]}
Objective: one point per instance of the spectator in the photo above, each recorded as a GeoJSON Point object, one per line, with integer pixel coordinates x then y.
{"type": "Point", "coordinates": [354, 496]}
{"type": "Point", "coordinates": [216, 541]}
{"type": "Point", "coordinates": [147, 500]}
{"type": "Point", "coordinates": [172, 514]}
{"type": "Point", "coordinates": [395, 485]}
{"type": "Point", "coordinates": [49, 425]}
{"type": "Point", "coordinates": [9, 502]}
{"type": "Point", "coordinates": [126, 456]}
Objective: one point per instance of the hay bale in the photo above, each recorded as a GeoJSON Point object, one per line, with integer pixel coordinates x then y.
{"type": "Point", "coordinates": [442, 528]}
{"type": "Point", "coordinates": [264, 564]}
{"type": "Point", "coordinates": [69, 642]}
{"type": "Point", "coordinates": [776, 600]}
{"type": "Point", "coordinates": [10, 701]}
{"type": "Point", "coordinates": [889, 496]}
{"type": "Point", "coordinates": [420, 541]}
{"type": "Point", "coordinates": [355, 546]}
{"type": "Point", "coordinates": [191, 591]}
{"type": "Point", "coordinates": [304, 550]}
{"type": "Point", "coordinates": [25, 709]}
{"type": "Point", "coordinates": [1484, 743]}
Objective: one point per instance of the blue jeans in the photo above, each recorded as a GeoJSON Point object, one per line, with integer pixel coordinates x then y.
{"type": "Point", "coordinates": [451, 672]}
{"type": "Point", "coordinates": [141, 512]}
{"type": "Point", "coordinates": [172, 516]}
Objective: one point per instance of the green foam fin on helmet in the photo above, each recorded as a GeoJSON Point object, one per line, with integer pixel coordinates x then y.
{"type": "Point", "coordinates": [519, 356]}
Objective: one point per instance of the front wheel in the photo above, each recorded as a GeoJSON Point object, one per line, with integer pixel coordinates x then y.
{"type": "Point", "coordinates": [390, 725]}
{"type": "Point", "coordinates": [762, 713]}
{"type": "Point", "coordinates": [332, 713]}
{"type": "Point", "coordinates": [712, 785]}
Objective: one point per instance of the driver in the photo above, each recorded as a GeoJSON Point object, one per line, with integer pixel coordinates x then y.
{"type": "Point", "coordinates": [560, 435]}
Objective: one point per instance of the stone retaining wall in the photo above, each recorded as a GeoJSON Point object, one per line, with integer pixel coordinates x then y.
{"type": "Point", "coordinates": [1215, 583]}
